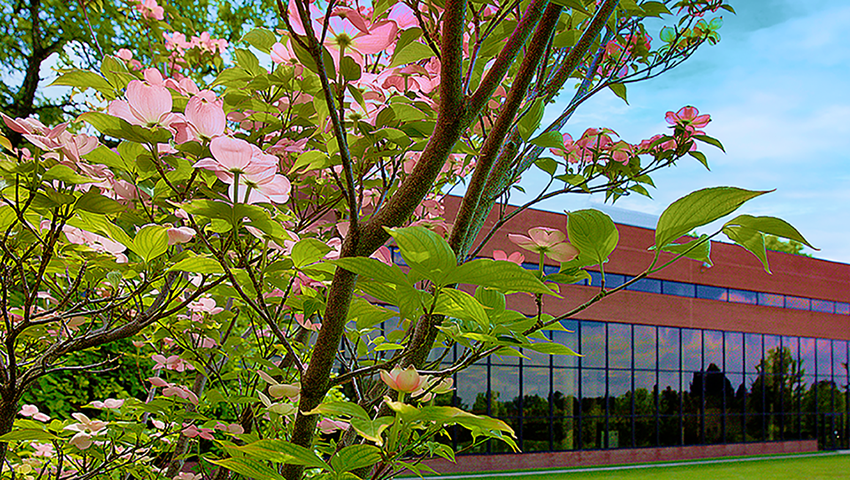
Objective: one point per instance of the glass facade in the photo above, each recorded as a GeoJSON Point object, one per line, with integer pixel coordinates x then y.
{"type": "Point", "coordinates": [647, 386]}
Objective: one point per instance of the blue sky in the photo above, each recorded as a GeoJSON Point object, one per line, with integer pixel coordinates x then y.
{"type": "Point", "coordinates": [776, 87]}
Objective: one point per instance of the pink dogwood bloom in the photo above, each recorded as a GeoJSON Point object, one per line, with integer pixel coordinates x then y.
{"type": "Point", "coordinates": [173, 362]}
{"type": "Point", "coordinates": [180, 235]}
{"type": "Point", "coordinates": [689, 118]}
{"type": "Point", "coordinates": [150, 9]}
{"type": "Point", "coordinates": [407, 380]}
{"type": "Point", "coordinates": [205, 113]}
{"type": "Point", "coordinates": [515, 257]}
{"type": "Point", "coordinates": [234, 156]}
{"type": "Point", "coordinates": [192, 431]}
{"type": "Point", "coordinates": [148, 103]}
{"type": "Point", "coordinates": [548, 241]}
{"type": "Point", "coordinates": [95, 242]}
{"type": "Point", "coordinates": [328, 426]}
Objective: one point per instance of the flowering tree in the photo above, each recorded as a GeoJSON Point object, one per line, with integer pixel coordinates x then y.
{"type": "Point", "coordinates": [237, 230]}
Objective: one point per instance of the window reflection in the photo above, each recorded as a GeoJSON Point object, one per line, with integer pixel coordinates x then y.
{"type": "Point", "coordinates": [752, 351]}
{"type": "Point", "coordinates": [691, 349]}
{"type": "Point", "coordinates": [644, 349]}
{"type": "Point", "coordinates": [647, 285]}
{"type": "Point", "coordinates": [564, 433]}
{"type": "Point", "coordinates": [669, 386]}
{"type": "Point", "coordinates": [734, 351]}
{"type": "Point", "coordinates": [565, 392]}
{"type": "Point", "coordinates": [797, 303]}
{"type": "Point", "coordinates": [743, 296]}
{"type": "Point", "coordinates": [771, 299]}
{"type": "Point", "coordinates": [823, 306]}
{"type": "Point", "coordinates": [713, 348]}
{"type": "Point", "coordinates": [535, 392]}
{"type": "Point", "coordinates": [678, 289]}
{"type": "Point", "coordinates": [842, 308]}
{"type": "Point", "coordinates": [593, 392]}
{"type": "Point", "coordinates": [645, 393]}
{"type": "Point", "coordinates": [471, 389]}
{"type": "Point", "coordinates": [592, 344]}
{"type": "Point", "coordinates": [569, 339]}
{"type": "Point", "coordinates": [824, 357]}
{"type": "Point", "coordinates": [504, 391]}
{"type": "Point", "coordinates": [712, 293]}
{"type": "Point", "coordinates": [620, 392]}
{"type": "Point", "coordinates": [668, 348]}
{"type": "Point", "coordinates": [619, 345]}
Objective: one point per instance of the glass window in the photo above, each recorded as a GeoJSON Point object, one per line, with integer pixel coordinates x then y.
{"type": "Point", "coordinates": [842, 308]}
{"type": "Point", "coordinates": [595, 279]}
{"type": "Point", "coordinates": [645, 347]}
{"type": "Point", "coordinates": [771, 299]}
{"type": "Point", "coordinates": [824, 357]}
{"type": "Point", "coordinates": [797, 303]}
{"type": "Point", "coordinates": [535, 392]}
{"type": "Point", "coordinates": [644, 393]}
{"type": "Point", "coordinates": [504, 391]}
{"type": "Point", "coordinates": [772, 357]}
{"type": "Point", "coordinates": [620, 392]}
{"type": "Point", "coordinates": [569, 339]}
{"type": "Point", "coordinates": [648, 285]}
{"type": "Point", "coordinates": [614, 280]}
{"type": "Point", "coordinates": [752, 351]}
{"type": "Point", "coordinates": [823, 306]}
{"type": "Point", "coordinates": [743, 296]}
{"type": "Point", "coordinates": [471, 389]}
{"type": "Point", "coordinates": [565, 391]}
{"type": "Point", "coordinates": [735, 402]}
{"type": "Point", "coordinates": [592, 432]}
{"type": "Point", "coordinates": [734, 351]}
{"type": "Point", "coordinates": [645, 431]}
{"type": "Point", "coordinates": [669, 386]}
{"type": "Point", "coordinates": [592, 344]}
{"type": "Point", "coordinates": [619, 432]}
{"type": "Point", "coordinates": [619, 345]}
{"type": "Point", "coordinates": [550, 269]}
{"type": "Point", "coordinates": [678, 289]}
{"type": "Point", "coordinates": [691, 424]}
{"type": "Point", "coordinates": [807, 356]}
{"type": "Point", "coordinates": [670, 430]}
{"type": "Point", "coordinates": [713, 349]}
{"type": "Point", "coordinates": [691, 350]}
{"type": "Point", "coordinates": [668, 348]}
{"type": "Point", "coordinates": [755, 393]}
{"type": "Point", "coordinates": [713, 429]}
{"type": "Point", "coordinates": [536, 358]}
{"type": "Point", "coordinates": [839, 362]}
{"type": "Point", "coordinates": [593, 392]}
{"type": "Point", "coordinates": [712, 293]}
{"type": "Point", "coordinates": [535, 434]}
{"type": "Point", "coordinates": [564, 433]}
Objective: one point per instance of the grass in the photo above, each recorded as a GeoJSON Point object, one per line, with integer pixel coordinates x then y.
{"type": "Point", "coordinates": [793, 468]}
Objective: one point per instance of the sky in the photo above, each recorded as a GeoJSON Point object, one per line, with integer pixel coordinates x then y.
{"type": "Point", "coordinates": [778, 92]}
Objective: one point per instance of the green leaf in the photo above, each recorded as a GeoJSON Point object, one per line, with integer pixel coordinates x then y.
{"type": "Point", "coordinates": [751, 239]}
{"type": "Point", "coordinates": [349, 409]}
{"type": "Point", "coordinates": [261, 39]}
{"type": "Point", "coordinates": [64, 174]}
{"type": "Point", "coordinates": [427, 253]}
{"type": "Point", "coordinates": [353, 457]}
{"type": "Point", "coordinates": [549, 140]}
{"type": "Point", "coordinates": [551, 348]}
{"type": "Point", "coordinates": [248, 467]}
{"type": "Point", "coordinates": [698, 249]}
{"type": "Point", "coordinates": [84, 79]}
{"type": "Point", "coordinates": [120, 128]}
{"type": "Point", "coordinates": [372, 429]}
{"type": "Point", "coordinates": [101, 225]}
{"type": "Point", "coordinates": [366, 315]}
{"type": "Point", "coordinates": [593, 233]}
{"type": "Point", "coordinates": [772, 226]}
{"type": "Point", "coordinates": [202, 265]}
{"type": "Point", "coordinates": [710, 141]}
{"type": "Point", "coordinates": [248, 61]}
{"type": "Point", "coordinates": [280, 451]}
{"type": "Point", "coordinates": [150, 242]}
{"type": "Point", "coordinates": [619, 90]}
{"type": "Point", "coordinates": [350, 69]}
{"type": "Point", "coordinates": [531, 119]}
{"type": "Point", "coordinates": [492, 299]}
{"type": "Point", "coordinates": [412, 52]}
{"type": "Point", "coordinates": [27, 434]}
{"type": "Point", "coordinates": [506, 277]}
{"type": "Point", "coordinates": [697, 209]}
{"type": "Point", "coordinates": [308, 250]}
{"type": "Point", "coordinates": [700, 157]}
{"type": "Point", "coordinates": [310, 160]}
{"type": "Point", "coordinates": [459, 304]}
{"type": "Point", "coordinates": [93, 201]}
{"type": "Point", "coordinates": [375, 269]}
{"type": "Point", "coordinates": [547, 165]}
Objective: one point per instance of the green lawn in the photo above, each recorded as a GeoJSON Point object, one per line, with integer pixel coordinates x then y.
{"type": "Point", "coordinates": [802, 468]}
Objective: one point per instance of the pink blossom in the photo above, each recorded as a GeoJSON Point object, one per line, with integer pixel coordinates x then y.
{"type": "Point", "coordinates": [85, 428]}
{"type": "Point", "coordinates": [407, 380]}
{"type": "Point", "coordinates": [28, 410]}
{"type": "Point", "coordinates": [383, 254]}
{"type": "Point", "coordinates": [234, 156]}
{"type": "Point", "coordinates": [95, 242]}
{"type": "Point", "coordinates": [515, 257]}
{"type": "Point", "coordinates": [192, 431]}
{"type": "Point", "coordinates": [233, 428]}
{"type": "Point", "coordinates": [148, 103]}
{"type": "Point", "coordinates": [548, 241]}
{"type": "Point", "coordinates": [689, 118]}
{"type": "Point", "coordinates": [180, 235]}
{"type": "Point", "coordinates": [127, 56]}
{"type": "Point", "coordinates": [173, 362]}
{"type": "Point", "coordinates": [42, 449]}
{"type": "Point", "coordinates": [264, 187]}
{"type": "Point", "coordinates": [281, 53]}
{"type": "Point", "coordinates": [108, 403]}
{"type": "Point", "coordinates": [206, 114]}
{"type": "Point", "coordinates": [205, 305]}
{"type": "Point", "coordinates": [328, 426]}
{"type": "Point", "coordinates": [150, 10]}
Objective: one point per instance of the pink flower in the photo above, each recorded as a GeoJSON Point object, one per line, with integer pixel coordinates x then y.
{"type": "Point", "coordinates": [42, 449]}
{"type": "Point", "coordinates": [150, 10]}
{"type": "Point", "coordinates": [127, 56]}
{"type": "Point", "coordinates": [233, 428]}
{"type": "Point", "coordinates": [206, 114]}
{"type": "Point", "coordinates": [28, 410]}
{"type": "Point", "coordinates": [548, 241]}
{"type": "Point", "coordinates": [108, 403]}
{"type": "Point", "coordinates": [180, 235]}
{"type": "Point", "coordinates": [205, 305]}
{"type": "Point", "coordinates": [264, 187]}
{"type": "Point", "coordinates": [192, 431]}
{"type": "Point", "coordinates": [400, 380]}
{"type": "Point", "coordinates": [328, 426]}
{"type": "Point", "coordinates": [515, 257]}
{"type": "Point", "coordinates": [148, 103]}
{"type": "Point", "coordinates": [85, 428]}
{"type": "Point", "coordinates": [281, 53]}
{"type": "Point", "coordinates": [689, 118]}
{"type": "Point", "coordinates": [95, 242]}
{"type": "Point", "coordinates": [232, 156]}
{"type": "Point", "coordinates": [174, 362]}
